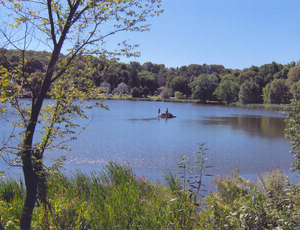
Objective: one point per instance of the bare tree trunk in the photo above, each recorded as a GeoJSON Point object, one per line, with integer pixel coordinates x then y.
{"type": "Point", "coordinates": [31, 192]}
{"type": "Point", "coordinates": [29, 167]}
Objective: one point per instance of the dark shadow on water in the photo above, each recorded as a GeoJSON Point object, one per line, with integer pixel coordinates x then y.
{"type": "Point", "coordinates": [149, 119]}
{"type": "Point", "coordinates": [272, 127]}
{"type": "Point", "coordinates": [144, 119]}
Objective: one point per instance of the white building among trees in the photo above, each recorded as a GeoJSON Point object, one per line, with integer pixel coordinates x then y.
{"type": "Point", "coordinates": [122, 87]}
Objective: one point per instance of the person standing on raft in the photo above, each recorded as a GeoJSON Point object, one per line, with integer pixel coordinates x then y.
{"type": "Point", "coordinates": [167, 111]}
{"type": "Point", "coordinates": [159, 112]}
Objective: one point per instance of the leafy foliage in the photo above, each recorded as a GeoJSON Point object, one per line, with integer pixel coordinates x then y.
{"type": "Point", "coordinates": [135, 92]}
{"type": "Point", "coordinates": [249, 93]}
{"type": "Point", "coordinates": [203, 86]}
{"type": "Point", "coordinates": [153, 75]}
{"type": "Point", "coordinates": [271, 203]}
{"type": "Point", "coordinates": [276, 92]}
{"type": "Point", "coordinates": [293, 131]}
{"type": "Point", "coordinates": [147, 79]}
{"type": "Point", "coordinates": [180, 84]}
{"type": "Point", "coordinates": [179, 95]}
{"type": "Point", "coordinates": [295, 90]}
{"type": "Point", "coordinates": [145, 91]}
{"type": "Point", "coordinates": [227, 90]}
{"type": "Point", "coordinates": [293, 75]}
{"type": "Point", "coordinates": [166, 93]}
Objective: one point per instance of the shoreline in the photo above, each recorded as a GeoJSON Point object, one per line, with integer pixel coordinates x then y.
{"type": "Point", "coordinates": [273, 107]}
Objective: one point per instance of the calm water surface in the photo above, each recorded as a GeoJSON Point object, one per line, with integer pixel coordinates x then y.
{"type": "Point", "coordinates": [130, 132]}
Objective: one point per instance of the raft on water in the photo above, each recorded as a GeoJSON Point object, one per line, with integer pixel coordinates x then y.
{"type": "Point", "coordinates": [169, 115]}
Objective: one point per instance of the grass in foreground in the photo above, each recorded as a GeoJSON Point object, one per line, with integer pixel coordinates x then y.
{"type": "Point", "coordinates": [117, 199]}
{"type": "Point", "coordinates": [112, 199]}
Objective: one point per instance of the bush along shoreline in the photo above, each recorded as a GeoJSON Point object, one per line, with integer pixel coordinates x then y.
{"type": "Point", "coordinates": [272, 107]}
{"type": "Point", "coordinates": [118, 199]}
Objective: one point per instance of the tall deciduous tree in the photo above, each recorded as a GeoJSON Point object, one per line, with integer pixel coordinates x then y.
{"type": "Point", "coordinates": [180, 84]}
{"type": "Point", "coordinates": [147, 79]}
{"type": "Point", "coordinates": [268, 71]}
{"type": "Point", "coordinates": [276, 92]}
{"type": "Point", "coordinates": [204, 86]}
{"type": "Point", "coordinates": [249, 93]}
{"type": "Point", "coordinates": [246, 76]}
{"type": "Point", "coordinates": [134, 69]}
{"type": "Point", "coordinates": [79, 28]}
{"type": "Point", "coordinates": [295, 90]}
{"type": "Point", "coordinates": [293, 75]}
{"type": "Point", "coordinates": [227, 90]}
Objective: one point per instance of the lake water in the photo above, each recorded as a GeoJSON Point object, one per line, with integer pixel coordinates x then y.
{"type": "Point", "coordinates": [130, 132]}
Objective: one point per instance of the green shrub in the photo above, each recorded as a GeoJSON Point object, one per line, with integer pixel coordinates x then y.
{"type": "Point", "coordinates": [271, 203]}
{"type": "Point", "coordinates": [166, 93]}
{"type": "Point", "coordinates": [231, 189]}
{"type": "Point", "coordinates": [178, 95]}
{"type": "Point", "coordinates": [135, 92]}
{"type": "Point", "coordinates": [145, 91]}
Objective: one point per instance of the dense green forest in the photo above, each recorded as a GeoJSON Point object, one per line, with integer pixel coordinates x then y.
{"type": "Point", "coordinates": [271, 83]}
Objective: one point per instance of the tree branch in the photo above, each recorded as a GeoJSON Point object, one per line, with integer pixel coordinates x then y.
{"type": "Point", "coordinates": [51, 22]}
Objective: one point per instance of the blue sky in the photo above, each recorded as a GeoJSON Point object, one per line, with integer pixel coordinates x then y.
{"type": "Point", "coordinates": [233, 33]}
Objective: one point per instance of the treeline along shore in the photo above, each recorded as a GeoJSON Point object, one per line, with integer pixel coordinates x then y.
{"type": "Point", "coordinates": [271, 83]}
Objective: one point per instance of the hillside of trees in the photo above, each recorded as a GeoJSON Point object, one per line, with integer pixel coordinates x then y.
{"type": "Point", "coordinates": [271, 83]}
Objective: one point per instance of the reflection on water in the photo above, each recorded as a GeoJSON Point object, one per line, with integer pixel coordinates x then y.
{"type": "Point", "coordinates": [271, 127]}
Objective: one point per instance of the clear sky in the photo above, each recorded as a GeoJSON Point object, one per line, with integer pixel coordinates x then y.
{"type": "Point", "coordinates": [233, 33]}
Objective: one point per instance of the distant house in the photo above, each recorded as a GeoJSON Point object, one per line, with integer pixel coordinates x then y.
{"type": "Point", "coordinates": [122, 87]}
{"type": "Point", "coordinates": [105, 85]}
